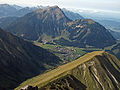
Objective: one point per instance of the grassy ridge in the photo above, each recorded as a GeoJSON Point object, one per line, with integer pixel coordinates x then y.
{"type": "Point", "coordinates": [58, 72]}
{"type": "Point", "coordinates": [101, 72]}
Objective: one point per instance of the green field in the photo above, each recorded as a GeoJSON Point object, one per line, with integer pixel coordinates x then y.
{"type": "Point", "coordinates": [65, 53]}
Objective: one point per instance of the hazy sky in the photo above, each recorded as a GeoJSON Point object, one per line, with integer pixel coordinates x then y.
{"type": "Point", "coordinates": [93, 4]}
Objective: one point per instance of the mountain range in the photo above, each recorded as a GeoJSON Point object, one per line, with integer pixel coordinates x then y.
{"type": "Point", "coordinates": [19, 11]}
{"type": "Point", "coordinates": [7, 10]}
{"type": "Point", "coordinates": [51, 24]}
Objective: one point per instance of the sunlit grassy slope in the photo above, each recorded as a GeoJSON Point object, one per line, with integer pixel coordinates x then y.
{"type": "Point", "coordinates": [97, 70]}
{"type": "Point", "coordinates": [58, 72]}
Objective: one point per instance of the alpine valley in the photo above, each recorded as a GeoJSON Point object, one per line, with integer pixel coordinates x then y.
{"type": "Point", "coordinates": [49, 48]}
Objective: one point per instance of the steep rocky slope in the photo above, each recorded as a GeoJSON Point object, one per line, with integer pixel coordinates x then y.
{"type": "Point", "coordinates": [97, 70]}
{"type": "Point", "coordinates": [20, 60]}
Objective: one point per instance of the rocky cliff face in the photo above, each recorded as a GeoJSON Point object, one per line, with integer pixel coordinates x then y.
{"type": "Point", "coordinates": [6, 10]}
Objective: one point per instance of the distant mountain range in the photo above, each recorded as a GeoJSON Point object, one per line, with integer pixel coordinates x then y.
{"type": "Point", "coordinates": [20, 60]}
{"type": "Point", "coordinates": [109, 19]}
{"type": "Point", "coordinates": [97, 14]}
{"type": "Point", "coordinates": [71, 15]}
{"type": "Point", "coordinates": [51, 24]}
{"type": "Point", "coordinates": [113, 26]}
{"type": "Point", "coordinates": [7, 10]}
{"type": "Point", "coordinates": [97, 70]}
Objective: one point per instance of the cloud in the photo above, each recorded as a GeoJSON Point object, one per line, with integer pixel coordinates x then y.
{"type": "Point", "coordinates": [97, 4]}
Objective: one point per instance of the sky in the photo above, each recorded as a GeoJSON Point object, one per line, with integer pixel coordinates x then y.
{"type": "Point", "coordinates": [113, 5]}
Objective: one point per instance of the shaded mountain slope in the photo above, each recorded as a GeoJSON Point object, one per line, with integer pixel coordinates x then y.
{"type": "Point", "coordinates": [110, 24]}
{"type": "Point", "coordinates": [96, 70]}
{"type": "Point", "coordinates": [6, 21]}
{"type": "Point", "coordinates": [86, 32]}
{"type": "Point", "coordinates": [20, 60]}
{"type": "Point", "coordinates": [115, 34]}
